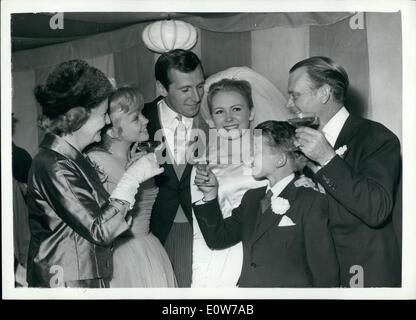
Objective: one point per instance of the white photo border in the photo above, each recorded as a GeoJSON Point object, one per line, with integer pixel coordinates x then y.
{"type": "Point", "coordinates": [408, 11]}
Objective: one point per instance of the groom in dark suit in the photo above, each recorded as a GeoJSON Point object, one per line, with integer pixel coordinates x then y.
{"type": "Point", "coordinates": [284, 229]}
{"type": "Point", "coordinates": [174, 115]}
{"type": "Point", "coordinates": [358, 163]}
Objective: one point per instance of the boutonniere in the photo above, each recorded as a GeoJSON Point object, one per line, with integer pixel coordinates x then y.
{"type": "Point", "coordinates": [279, 205]}
{"type": "Point", "coordinates": [341, 150]}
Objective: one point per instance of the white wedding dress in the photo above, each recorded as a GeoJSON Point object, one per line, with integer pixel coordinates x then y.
{"type": "Point", "coordinates": [222, 268]}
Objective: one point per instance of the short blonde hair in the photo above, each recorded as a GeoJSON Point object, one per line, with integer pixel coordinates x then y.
{"type": "Point", "coordinates": [127, 99]}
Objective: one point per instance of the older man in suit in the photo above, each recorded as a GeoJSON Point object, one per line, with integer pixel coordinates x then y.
{"type": "Point", "coordinates": [175, 114]}
{"type": "Point", "coordinates": [358, 163]}
{"type": "Point", "coordinates": [284, 229]}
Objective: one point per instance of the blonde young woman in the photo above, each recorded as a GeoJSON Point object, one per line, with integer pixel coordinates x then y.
{"type": "Point", "coordinates": [139, 258]}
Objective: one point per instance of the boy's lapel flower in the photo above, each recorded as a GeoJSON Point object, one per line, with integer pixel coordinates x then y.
{"type": "Point", "coordinates": [279, 205]}
{"type": "Point", "coordinates": [341, 150]}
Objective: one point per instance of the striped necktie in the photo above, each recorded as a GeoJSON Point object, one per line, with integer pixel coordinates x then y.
{"type": "Point", "coordinates": [180, 141]}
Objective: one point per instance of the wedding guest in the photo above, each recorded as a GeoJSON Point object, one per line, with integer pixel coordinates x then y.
{"type": "Point", "coordinates": [357, 162]}
{"type": "Point", "coordinates": [21, 162]}
{"type": "Point", "coordinates": [231, 108]}
{"type": "Point", "coordinates": [284, 229]}
{"type": "Point", "coordinates": [73, 220]}
{"type": "Point", "coordinates": [180, 82]}
{"type": "Point", "coordinates": [139, 259]}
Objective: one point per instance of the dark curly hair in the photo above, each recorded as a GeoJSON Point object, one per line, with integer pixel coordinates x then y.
{"type": "Point", "coordinates": [71, 90]}
{"type": "Point", "coordinates": [240, 86]}
{"type": "Point", "coordinates": [179, 59]}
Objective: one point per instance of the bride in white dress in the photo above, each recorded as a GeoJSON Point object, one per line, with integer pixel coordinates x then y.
{"type": "Point", "coordinates": [231, 107]}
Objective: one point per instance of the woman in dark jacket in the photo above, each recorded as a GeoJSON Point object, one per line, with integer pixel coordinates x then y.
{"type": "Point", "coordinates": [73, 220]}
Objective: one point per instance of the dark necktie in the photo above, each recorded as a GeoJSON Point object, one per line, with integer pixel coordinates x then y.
{"type": "Point", "coordinates": [266, 201]}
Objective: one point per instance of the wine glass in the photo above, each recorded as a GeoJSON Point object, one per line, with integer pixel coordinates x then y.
{"type": "Point", "coordinates": [305, 119]}
{"type": "Point", "coordinates": [203, 166]}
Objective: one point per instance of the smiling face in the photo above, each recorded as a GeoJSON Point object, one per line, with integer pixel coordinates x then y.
{"type": "Point", "coordinates": [128, 123]}
{"type": "Point", "coordinates": [185, 91]}
{"type": "Point", "coordinates": [90, 131]}
{"type": "Point", "coordinates": [133, 127]}
{"type": "Point", "coordinates": [302, 96]}
{"type": "Point", "coordinates": [230, 111]}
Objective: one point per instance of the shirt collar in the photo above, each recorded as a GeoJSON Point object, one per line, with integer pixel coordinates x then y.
{"type": "Point", "coordinates": [280, 185]}
{"type": "Point", "coordinates": [169, 116]}
{"type": "Point", "coordinates": [334, 125]}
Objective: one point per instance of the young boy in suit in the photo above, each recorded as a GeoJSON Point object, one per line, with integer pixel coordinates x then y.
{"type": "Point", "coordinates": [284, 229]}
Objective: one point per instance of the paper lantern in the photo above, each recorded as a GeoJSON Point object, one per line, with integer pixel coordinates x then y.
{"type": "Point", "coordinates": [162, 36]}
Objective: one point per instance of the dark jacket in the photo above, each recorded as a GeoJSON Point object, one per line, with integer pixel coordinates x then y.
{"type": "Point", "coordinates": [71, 221]}
{"type": "Point", "coordinates": [302, 255]}
{"type": "Point", "coordinates": [362, 184]}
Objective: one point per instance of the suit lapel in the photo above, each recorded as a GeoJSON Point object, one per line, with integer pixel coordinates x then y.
{"type": "Point", "coordinates": [269, 219]}
{"type": "Point", "coordinates": [348, 131]}
{"type": "Point", "coordinates": [260, 196]}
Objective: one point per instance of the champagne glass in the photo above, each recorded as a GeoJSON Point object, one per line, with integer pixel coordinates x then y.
{"type": "Point", "coordinates": [305, 119]}
{"type": "Point", "coordinates": [203, 166]}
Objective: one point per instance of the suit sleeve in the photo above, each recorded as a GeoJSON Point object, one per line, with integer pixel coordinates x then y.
{"type": "Point", "coordinates": [71, 198]}
{"type": "Point", "coordinates": [219, 233]}
{"type": "Point", "coordinates": [367, 193]}
{"type": "Point", "coordinates": [320, 249]}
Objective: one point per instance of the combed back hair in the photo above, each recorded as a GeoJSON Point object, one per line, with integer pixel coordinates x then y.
{"type": "Point", "coordinates": [242, 87]}
{"type": "Point", "coordinates": [323, 70]}
{"type": "Point", "coordinates": [182, 60]}
{"type": "Point", "coordinates": [279, 134]}
{"type": "Point", "coordinates": [71, 90]}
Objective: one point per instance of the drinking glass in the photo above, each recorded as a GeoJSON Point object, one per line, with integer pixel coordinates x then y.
{"type": "Point", "coordinates": [204, 166]}
{"type": "Point", "coordinates": [305, 119]}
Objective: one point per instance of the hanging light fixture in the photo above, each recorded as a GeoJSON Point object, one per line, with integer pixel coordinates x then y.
{"type": "Point", "coordinates": [165, 35]}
